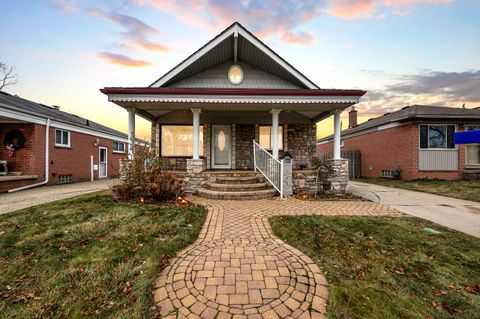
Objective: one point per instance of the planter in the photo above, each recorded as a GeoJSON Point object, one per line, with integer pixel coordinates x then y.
{"type": "Point", "coordinates": [327, 185]}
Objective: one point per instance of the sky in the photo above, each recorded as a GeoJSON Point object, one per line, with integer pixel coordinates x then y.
{"type": "Point", "coordinates": [402, 52]}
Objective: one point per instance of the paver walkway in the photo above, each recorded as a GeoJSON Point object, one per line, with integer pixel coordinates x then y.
{"type": "Point", "coordinates": [239, 269]}
{"type": "Point", "coordinates": [10, 202]}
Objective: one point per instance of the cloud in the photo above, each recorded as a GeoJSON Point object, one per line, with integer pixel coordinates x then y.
{"type": "Point", "coordinates": [135, 31]}
{"type": "Point", "coordinates": [459, 86]}
{"type": "Point", "coordinates": [298, 37]}
{"type": "Point", "coordinates": [123, 60]}
{"type": "Point", "coordinates": [352, 9]}
{"type": "Point", "coordinates": [404, 7]}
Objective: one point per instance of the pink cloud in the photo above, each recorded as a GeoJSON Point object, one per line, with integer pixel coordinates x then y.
{"type": "Point", "coordinates": [352, 9]}
{"type": "Point", "coordinates": [299, 37]}
{"type": "Point", "coordinates": [404, 7]}
{"type": "Point", "coordinates": [122, 60]}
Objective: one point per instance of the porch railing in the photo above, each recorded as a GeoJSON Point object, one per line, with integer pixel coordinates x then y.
{"type": "Point", "coordinates": [269, 166]}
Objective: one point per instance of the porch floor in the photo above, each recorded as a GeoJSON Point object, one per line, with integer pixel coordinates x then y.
{"type": "Point", "coordinates": [12, 178]}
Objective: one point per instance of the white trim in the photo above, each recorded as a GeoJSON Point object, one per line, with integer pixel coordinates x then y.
{"type": "Point", "coordinates": [389, 125]}
{"type": "Point", "coordinates": [232, 99]}
{"type": "Point", "coordinates": [37, 119]}
{"type": "Point", "coordinates": [233, 31]}
{"type": "Point", "coordinates": [67, 145]}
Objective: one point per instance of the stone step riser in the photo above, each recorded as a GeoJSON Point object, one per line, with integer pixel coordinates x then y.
{"type": "Point", "coordinates": [236, 187]}
{"type": "Point", "coordinates": [238, 180]}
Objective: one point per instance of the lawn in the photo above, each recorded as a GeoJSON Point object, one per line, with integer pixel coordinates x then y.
{"type": "Point", "coordinates": [89, 257]}
{"type": "Point", "coordinates": [387, 267]}
{"type": "Point", "coordinates": [469, 190]}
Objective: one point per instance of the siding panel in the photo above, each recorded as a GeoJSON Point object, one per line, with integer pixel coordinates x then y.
{"type": "Point", "coordinates": [438, 160]}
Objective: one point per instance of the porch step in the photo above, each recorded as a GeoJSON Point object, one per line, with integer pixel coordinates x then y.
{"type": "Point", "coordinates": [238, 179]}
{"type": "Point", "coordinates": [243, 187]}
{"type": "Point", "coordinates": [236, 195]}
{"type": "Point", "coordinates": [239, 187]}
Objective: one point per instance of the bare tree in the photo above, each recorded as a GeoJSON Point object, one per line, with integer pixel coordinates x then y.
{"type": "Point", "coordinates": [7, 75]}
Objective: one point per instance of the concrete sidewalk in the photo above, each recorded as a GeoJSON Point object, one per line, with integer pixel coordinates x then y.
{"type": "Point", "coordinates": [44, 194]}
{"type": "Point", "coordinates": [458, 214]}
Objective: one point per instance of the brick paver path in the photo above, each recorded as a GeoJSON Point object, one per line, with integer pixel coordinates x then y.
{"type": "Point", "coordinates": [238, 269]}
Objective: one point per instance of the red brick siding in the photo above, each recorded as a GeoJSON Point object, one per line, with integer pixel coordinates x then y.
{"type": "Point", "coordinates": [393, 148]}
{"type": "Point", "coordinates": [30, 159]}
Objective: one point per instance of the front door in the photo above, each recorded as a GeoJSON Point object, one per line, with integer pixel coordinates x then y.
{"type": "Point", "coordinates": [102, 162]}
{"type": "Point", "coordinates": [221, 146]}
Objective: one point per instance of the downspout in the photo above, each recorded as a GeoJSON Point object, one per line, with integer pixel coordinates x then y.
{"type": "Point", "coordinates": [47, 133]}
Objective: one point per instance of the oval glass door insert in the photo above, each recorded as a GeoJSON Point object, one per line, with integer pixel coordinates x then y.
{"type": "Point", "coordinates": [221, 140]}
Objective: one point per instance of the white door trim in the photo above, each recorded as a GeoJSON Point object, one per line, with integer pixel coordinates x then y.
{"type": "Point", "coordinates": [229, 145]}
{"type": "Point", "coordinates": [99, 161]}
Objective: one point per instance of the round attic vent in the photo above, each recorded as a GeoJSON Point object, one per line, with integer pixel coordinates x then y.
{"type": "Point", "coordinates": [235, 74]}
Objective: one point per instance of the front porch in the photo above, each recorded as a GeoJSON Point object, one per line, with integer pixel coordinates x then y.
{"type": "Point", "coordinates": [208, 112]}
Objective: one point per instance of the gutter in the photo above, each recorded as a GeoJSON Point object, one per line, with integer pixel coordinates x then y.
{"type": "Point", "coordinates": [47, 133]}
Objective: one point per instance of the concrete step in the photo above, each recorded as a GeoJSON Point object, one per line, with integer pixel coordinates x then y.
{"type": "Point", "coordinates": [236, 195]}
{"type": "Point", "coordinates": [238, 179]}
{"type": "Point", "coordinates": [235, 187]}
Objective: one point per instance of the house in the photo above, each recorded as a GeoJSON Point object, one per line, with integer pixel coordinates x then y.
{"type": "Point", "coordinates": [43, 145]}
{"type": "Point", "coordinates": [416, 141]}
{"type": "Point", "coordinates": [236, 106]}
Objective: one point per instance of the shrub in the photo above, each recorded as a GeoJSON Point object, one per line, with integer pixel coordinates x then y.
{"type": "Point", "coordinates": [147, 178]}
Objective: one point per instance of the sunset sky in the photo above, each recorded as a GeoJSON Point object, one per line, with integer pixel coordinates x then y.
{"type": "Point", "coordinates": [402, 51]}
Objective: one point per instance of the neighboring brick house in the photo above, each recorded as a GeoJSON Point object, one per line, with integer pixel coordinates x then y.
{"type": "Point", "coordinates": [78, 149]}
{"type": "Point", "coordinates": [417, 140]}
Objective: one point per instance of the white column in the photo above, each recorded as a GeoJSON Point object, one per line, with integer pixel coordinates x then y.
{"type": "Point", "coordinates": [336, 134]}
{"type": "Point", "coordinates": [131, 132]}
{"type": "Point", "coordinates": [274, 132]}
{"type": "Point", "coordinates": [196, 133]}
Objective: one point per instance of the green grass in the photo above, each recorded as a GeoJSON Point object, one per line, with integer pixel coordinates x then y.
{"type": "Point", "coordinates": [89, 257]}
{"type": "Point", "coordinates": [469, 190]}
{"type": "Point", "coordinates": [387, 267]}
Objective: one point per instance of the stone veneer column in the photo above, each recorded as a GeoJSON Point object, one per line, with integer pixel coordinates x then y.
{"type": "Point", "coordinates": [207, 139]}
{"type": "Point", "coordinates": [194, 175]}
{"type": "Point", "coordinates": [339, 177]}
{"type": "Point", "coordinates": [287, 176]}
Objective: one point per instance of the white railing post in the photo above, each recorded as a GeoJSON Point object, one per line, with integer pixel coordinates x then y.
{"type": "Point", "coordinates": [281, 179]}
{"type": "Point", "coordinates": [254, 158]}
{"type": "Point", "coordinates": [270, 167]}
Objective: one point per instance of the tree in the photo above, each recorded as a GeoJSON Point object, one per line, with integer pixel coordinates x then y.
{"type": "Point", "coordinates": [7, 75]}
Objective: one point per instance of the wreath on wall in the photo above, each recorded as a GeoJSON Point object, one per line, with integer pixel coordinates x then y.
{"type": "Point", "coordinates": [14, 140]}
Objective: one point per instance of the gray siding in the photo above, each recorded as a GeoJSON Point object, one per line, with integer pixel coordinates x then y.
{"type": "Point", "coordinates": [216, 77]}
{"type": "Point", "coordinates": [438, 160]}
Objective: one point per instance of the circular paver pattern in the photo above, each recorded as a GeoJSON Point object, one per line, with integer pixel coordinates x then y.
{"type": "Point", "coordinates": [239, 269]}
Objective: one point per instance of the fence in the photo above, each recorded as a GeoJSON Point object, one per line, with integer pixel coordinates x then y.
{"type": "Point", "coordinates": [354, 161]}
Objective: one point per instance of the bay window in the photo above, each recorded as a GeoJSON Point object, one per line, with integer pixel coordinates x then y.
{"type": "Point", "coordinates": [265, 137]}
{"type": "Point", "coordinates": [437, 136]}
{"type": "Point", "coordinates": [177, 140]}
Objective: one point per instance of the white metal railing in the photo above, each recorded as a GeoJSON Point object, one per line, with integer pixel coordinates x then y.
{"type": "Point", "coordinates": [269, 166]}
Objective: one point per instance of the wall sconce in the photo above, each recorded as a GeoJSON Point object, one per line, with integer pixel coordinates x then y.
{"type": "Point", "coordinates": [97, 141]}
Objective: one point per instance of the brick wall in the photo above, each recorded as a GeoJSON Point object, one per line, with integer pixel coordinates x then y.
{"type": "Point", "coordinates": [393, 148]}
{"type": "Point", "coordinates": [30, 159]}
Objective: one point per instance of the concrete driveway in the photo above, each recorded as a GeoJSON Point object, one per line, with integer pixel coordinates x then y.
{"type": "Point", "coordinates": [458, 214]}
{"type": "Point", "coordinates": [10, 202]}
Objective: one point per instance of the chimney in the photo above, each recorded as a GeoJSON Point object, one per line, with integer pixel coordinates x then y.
{"type": "Point", "coordinates": [352, 118]}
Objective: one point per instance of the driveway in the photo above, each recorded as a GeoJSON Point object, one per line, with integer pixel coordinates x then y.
{"type": "Point", "coordinates": [458, 214]}
{"type": "Point", "coordinates": [10, 202]}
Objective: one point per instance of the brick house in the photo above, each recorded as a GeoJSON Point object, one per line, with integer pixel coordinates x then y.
{"type": "Point", "coordinates": [235, 106]}
{"type": "Point", "coordinates": [417, 141]}
{"type": "Point", "coordinates": [78, 149]}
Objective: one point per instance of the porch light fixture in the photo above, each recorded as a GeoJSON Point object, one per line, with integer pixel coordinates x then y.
{"type": "Point", "coordinates": [235, 74]}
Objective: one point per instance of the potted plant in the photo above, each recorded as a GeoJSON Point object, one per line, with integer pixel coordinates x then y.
{"type": "Point", "coordinates": [324, 172]}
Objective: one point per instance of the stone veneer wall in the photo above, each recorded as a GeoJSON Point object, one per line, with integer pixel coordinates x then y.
{"type": "Point", "coordinates": [245, 134]}
{"type": "Point", "coordinates": [304, 181]}
{"type": "Point", "coordinates": [301, 143]}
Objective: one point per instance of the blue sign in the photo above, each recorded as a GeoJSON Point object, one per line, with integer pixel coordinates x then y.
{"type": "Point", "coordinates": [468, 137]}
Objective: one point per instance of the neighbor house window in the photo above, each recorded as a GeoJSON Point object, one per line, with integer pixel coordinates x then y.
{"type": "Point", "coordinates": [437, 136]}
{"type": "Point", "coordinates": [265, 137]}
{"type": "Point", "coordinates": [472, 151]}
{"type": "Point", "coordinates": [118, 147]}
{"type": "Point", "coordinates": [62, 138]}
{"type": "Point", "coordinates": [177, 140]}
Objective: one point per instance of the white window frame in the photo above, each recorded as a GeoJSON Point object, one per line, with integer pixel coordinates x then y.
{"type": "Point", "coordinates": [117, 151]}
{"type": "Point", "coordinates": [201, 144]}
{"type": "Point", "coordinates": [68, 145]}
{"type": "Point", "coordinates": [279, 139]}
{"type": "Point", "coordinates": [468, 165]}
{"type": "Point", "coordinates": [435, 149]}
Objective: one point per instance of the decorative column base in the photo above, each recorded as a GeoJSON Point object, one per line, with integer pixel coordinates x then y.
{"type": "Point", "coordinates": [194, 176]}
{"type": "Point", "coordinates": [339, 177]}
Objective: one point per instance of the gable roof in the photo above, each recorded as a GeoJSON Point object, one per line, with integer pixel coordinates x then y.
{"type": "Point", "coordinates": [412, 112]}
{"type": "Point", "coordinates": [220, 50]}
{"type": "Point", "coordinates": [26, 106]}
